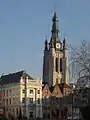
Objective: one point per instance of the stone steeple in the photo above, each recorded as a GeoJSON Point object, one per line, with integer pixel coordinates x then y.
{"type": "Point", "coordinates": [55, 29]}
{"type": "Point", "coordinates": [55, 59]}
{"type": "Point", "coordinates": [46, 45]}
{"type": "Point", "coordinates": [64, 44]}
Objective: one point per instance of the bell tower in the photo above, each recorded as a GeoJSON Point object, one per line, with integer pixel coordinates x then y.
{"type": "Point", "coordinates": [55, 60]}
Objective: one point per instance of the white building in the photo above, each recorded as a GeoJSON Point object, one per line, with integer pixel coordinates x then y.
{"type": "Point", "coordinates": [22, 92]}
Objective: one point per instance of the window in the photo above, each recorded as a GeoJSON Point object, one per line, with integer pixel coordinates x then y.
{"type": "Point", "coordinates": [17, 111]}
{"type": "Point", "coordinates": [31, 115]}
{"type": "Point", "coordinates": [56, 64]}
{"type": "Point", "coordinates": [6, 101]}
{"type": "Point", "coordinates": [23, 100]}
{"type": "Point", "coordinates": [10, 92]}
{"type": "Point", "coordinates": [38, 91]}
{"type": "Point", "coordinates": [23, 91]}
{"type": "Point", "coordinates": [31, 91]}
{"type": "Point", "coordinates": [31, 100]}
{"type": "Point", "coordinates": [10, 100]}
{"type": "Point", "coordinates": [7, 93]}
{"type": "Point", "coordinates": [60, 64]}
{"type": "Point", "coordinates": [38, 100]}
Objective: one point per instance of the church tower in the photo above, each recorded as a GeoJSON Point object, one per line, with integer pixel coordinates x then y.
{"type": "Point", "coordinates": [55, 60]}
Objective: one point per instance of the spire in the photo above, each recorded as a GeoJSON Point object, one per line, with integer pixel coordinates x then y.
{"type": "Point", "coordinates": [64, 43]}
{"type": "Point", "coordinates": [46, 44]}
{"type": "Point", "coordinates": [55, 29]}
{"type": "Point", "coordinates": [51, 44]}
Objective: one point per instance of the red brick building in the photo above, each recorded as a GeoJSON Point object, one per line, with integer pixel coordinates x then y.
{"type": "Point", "coordinates": [52, 106]}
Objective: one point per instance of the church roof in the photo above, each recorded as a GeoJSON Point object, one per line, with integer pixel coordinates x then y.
{"type": "Point", "coordinates": [14, 77]}
{"type": "Point", "coordinates": [57, 91]}
{"type": "Point", "coordinates": [61, 86]}
{"type": "Point", "coordinates": [51, 88]}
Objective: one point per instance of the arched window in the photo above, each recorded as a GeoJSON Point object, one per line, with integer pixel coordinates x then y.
{"type": "Point", "coordinates": [56, 64]}
{"type": "Point", "coordinates": [60, 64]}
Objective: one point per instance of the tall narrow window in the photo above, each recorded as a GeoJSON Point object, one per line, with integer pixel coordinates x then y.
{"type": "Point", "coordinates": [17, 111]}
{"type": "Point", "coordinates": [60, 64]}
{"type": "Point", "coordinates": [6, 101]}
{"type": "Point", "coordinates": [7, 92]}
{"type": "Point", "coordinates": [56, 64]}
{"type": "Point", "coordinates": [10, 100]}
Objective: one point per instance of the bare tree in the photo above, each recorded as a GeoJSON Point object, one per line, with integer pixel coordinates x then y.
{"type": "Point", "coordinates": [80, 63]}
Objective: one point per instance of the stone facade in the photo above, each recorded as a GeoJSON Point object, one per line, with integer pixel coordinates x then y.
{"type": "Point", "coordinates": [22, 92]}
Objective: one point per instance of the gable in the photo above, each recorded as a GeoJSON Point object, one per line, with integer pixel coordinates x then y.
{"type": "Point", "coordinates": [46, 91]}
{"type": "Point", "coordinates": [57, 92]}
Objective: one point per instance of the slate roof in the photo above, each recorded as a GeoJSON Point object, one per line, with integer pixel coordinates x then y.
{"type": "Point", "coordinates": [14, 77]}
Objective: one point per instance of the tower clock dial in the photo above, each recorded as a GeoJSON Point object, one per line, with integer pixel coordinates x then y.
{"type": "Point", "coordinates": [58, 45]}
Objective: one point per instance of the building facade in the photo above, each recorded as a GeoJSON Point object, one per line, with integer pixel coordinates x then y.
{"type": "Point", "coordinates": [22, 92]}
{"type": "Point", "coordinates": [55, 60]}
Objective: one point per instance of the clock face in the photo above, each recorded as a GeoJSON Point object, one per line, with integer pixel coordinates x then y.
{"type": "Point", "coordinates": [58, 45]}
